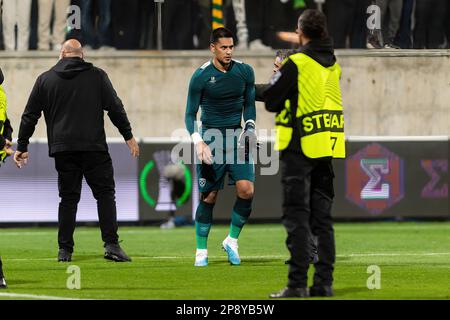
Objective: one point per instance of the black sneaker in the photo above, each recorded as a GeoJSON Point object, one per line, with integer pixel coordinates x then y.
{"type": "Point", "coordinates": [290, 293]}
{"type": "Point", "coordinates": [391, 46]}
{"type": "Point", "coordinates": [114, 252]}
{"type": "Point", "coordinates": [374, 41]}
{"type": "Point", "coordinates": [3, 283]}
{"type": "Point", "coordinates": [321, 291]}
{"type": "Point", "coordinates": [64, 255]}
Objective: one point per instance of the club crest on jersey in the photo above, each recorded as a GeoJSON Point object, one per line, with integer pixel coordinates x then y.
{"type": "Point", "coordinates": [212, 80]}
{"type": "Point", "coordinates": [202, 182]}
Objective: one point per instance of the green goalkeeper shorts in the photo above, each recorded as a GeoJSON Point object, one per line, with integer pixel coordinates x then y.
{"type": "Point", "coordinates": [227, 160]}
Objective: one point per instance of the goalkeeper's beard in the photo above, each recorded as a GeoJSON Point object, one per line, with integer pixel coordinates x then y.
{"type": "Point", "coordinates": [224, 64]}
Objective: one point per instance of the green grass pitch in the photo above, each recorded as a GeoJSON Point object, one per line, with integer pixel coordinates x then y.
{"type": "Point", "coordinates": [413, 257]}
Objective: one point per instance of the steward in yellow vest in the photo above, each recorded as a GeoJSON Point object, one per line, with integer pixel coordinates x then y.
{"type": "Point", "coordinates": [5, 126]}
{"type": "Point", "coordinates": [306, 96]}
{"type": "Point", "coordinates": [5, 151]}
{"type": "Point", "coordinates": [316, 106]}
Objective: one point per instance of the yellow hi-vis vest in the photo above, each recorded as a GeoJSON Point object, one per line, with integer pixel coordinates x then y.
{"type": "Point", "coordinates": [2, 117]}
{"type": "Point", "coordinates": [283, 127]}
{"type": "Point", "coordinates": [319, 115]}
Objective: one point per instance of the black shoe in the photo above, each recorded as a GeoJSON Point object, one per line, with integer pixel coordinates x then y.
{"type": "Point", "coordinates": [114, 252]}
{"type": "Point", "coordinates": [374, 41]}
{"type": "Point", "coordinates": [290, 293]}
{"type": "Point", "coordinates": [391, 46]}
{"type": "Point", "coordinates": [64, 255]}
{"type": "Point", "coordinates": [3, 283]}
{"type": "Point", "coordinates": [321, 291]}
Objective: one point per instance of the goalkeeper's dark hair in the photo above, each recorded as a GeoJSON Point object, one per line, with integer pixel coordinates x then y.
{"type": "Point", "coordinates": [313, 24]}
{"type": "Point", "coordinates": [220, 33]}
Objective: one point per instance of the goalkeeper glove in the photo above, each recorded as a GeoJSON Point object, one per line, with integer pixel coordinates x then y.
{"type": "Point", "coordinates": [247, 139]}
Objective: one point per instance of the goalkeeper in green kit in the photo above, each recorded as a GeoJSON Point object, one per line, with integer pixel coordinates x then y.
{"type": "Point", "coordinates": [224, 88]}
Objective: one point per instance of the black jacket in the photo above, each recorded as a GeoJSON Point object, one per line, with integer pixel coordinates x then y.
{"type": "Point", "coordinates": [73, 96]}
{"type": "Point", "coordinates": [284, 84]}
{"type": "Point", "coordinates": [7, 133]}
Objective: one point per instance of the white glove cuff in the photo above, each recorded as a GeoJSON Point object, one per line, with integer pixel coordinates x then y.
{"type": "Point", "coordinates": [251, 121]}
{"type": "Point", "coordinates": [196, 137]}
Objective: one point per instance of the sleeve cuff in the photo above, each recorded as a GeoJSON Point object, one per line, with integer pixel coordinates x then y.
{"type": "Point", "coordinates": [127, 136]}
{"type": "Point", "coordinates": [22, 148]}
{"type": "Point", "coordinates": [250, 122]}
{"type": "Point", "coordinates": [2, 142]}
{"type": "Point", "coordinates": [196, 137]}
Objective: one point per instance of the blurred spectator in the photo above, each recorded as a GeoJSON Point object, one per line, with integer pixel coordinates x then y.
{"type": "Point", "coordinates": [391, 13]}
{"type": "Point", "coordinates": [287, 20]}
{"type": "Point", "coordinates": [404, 37]}
{"type": "Point", "coordinates": [429, 30]}
{"type": "Point", "coordinates": [125, 24]}
{"type": "Point", "coordinates": [202, 23]}
{"type": "Point", "coordinates": [96, 33]}
{"type": "Point", "coordinates": [347, 22]}
{"type": "Point", "coordinates": [177, 25]}
{"type": "Point", "coordinates": [147, 25]}
{"type": "Point", "coordinates": [263, 25]}
{"type": "Point", "coordinates": [448, 25]}
{"type": "Point", "coordinates": [52, 40]}
{"type": "Point", "coordinates": [255, 12]}
{"type": "Point", "coordinates": [16, 12]}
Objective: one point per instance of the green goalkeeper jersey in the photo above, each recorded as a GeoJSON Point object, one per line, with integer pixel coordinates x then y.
{"type": "Point", "coordinates": [224, 97]}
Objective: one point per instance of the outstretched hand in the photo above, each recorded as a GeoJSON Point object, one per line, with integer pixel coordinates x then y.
{"type": "Point", "coordinates": [134, 147]}
{"type": "Point", "coordinates": [204, 152]}
{"type": "Point", "coordinates": [8, 148]}
{"type": "Point", "coordinates": [21, 159]}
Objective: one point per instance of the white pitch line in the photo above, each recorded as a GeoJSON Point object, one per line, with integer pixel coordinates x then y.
{"type": "Point", "coordinates": [40, 233]}
{"type": "Point", "coordinates": [33, 296]}
{"type": "Point", "coordinates": [394, 254]}
{"type": "Point", "coordinates": [52, 233]}
{"type": "Point", "coordinates": [352, 255]}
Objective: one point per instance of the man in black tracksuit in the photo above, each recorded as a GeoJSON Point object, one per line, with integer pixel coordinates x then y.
{"type": "Point", "coordinates": [73, 96]}
{"type": "Point", "coordinates": [307, 181]}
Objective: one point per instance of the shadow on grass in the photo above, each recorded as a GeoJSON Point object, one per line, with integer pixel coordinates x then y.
{"type": "Point", "coordinates": [105, 290]}
{"type": "Point", "coordinates": [247, 263]}
{"type": "Point", "coordinates": [87, 257]}
{"type": "Point", "coordinates": [18, 282]}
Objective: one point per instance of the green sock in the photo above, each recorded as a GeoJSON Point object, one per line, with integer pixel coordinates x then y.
{"type": "Point", "coordinates": [203, 219]}
{"type": "Point", "coordinates": [239, 217]}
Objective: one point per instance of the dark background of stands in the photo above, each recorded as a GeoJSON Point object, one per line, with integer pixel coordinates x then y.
{"type": "Point", "coordinates": [133, 23]}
